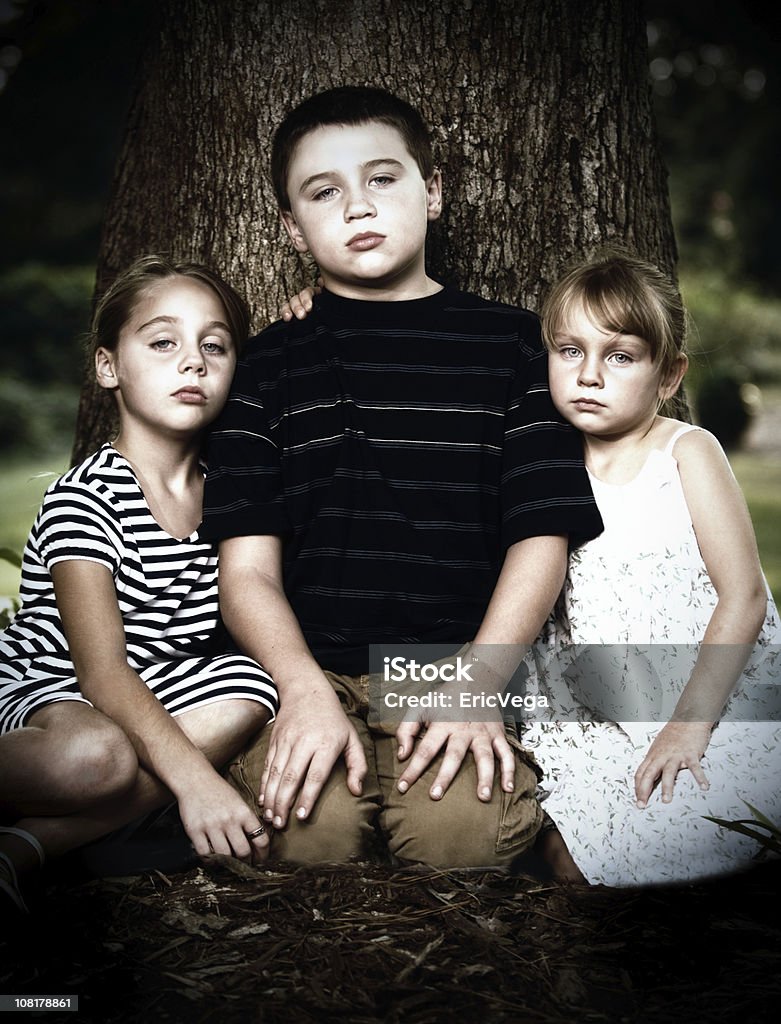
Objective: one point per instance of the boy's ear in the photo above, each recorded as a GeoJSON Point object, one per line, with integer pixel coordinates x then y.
{"type": "Point", "coordinates": [106, 369]}
{"type": "Point", "coordinates": [293, 230]}
{"type": "Point", "coordinates": [672, 381]}
{"type": "Point", "coordinates": [434, 195]}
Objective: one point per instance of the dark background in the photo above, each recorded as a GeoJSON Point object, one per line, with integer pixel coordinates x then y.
{"type": "Point", "coordinates": [66, 77]}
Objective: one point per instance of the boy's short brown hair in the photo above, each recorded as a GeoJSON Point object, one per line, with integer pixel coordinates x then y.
{"type": "Point", "coordinates": [347, 105]}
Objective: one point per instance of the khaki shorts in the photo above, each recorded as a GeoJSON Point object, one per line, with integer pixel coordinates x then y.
{"type": "Point", "coordinates": [456, 831]}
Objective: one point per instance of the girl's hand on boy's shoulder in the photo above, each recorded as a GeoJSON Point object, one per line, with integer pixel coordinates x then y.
{"type": "Point", "coordinates": [679, 745]}
{"type": "Point", "coordinates": [300, 305]}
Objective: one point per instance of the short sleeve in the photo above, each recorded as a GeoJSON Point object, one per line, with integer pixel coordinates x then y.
{"type": "Point", "coordinates": [243, 493]}
{"type": "Point", "coordinates": [545, 487]}
{"type": "Point", "coordinates": [78, 523]}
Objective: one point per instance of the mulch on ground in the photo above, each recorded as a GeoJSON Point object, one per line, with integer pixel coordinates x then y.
{"type": "Point", "coordinates": [226, 943]}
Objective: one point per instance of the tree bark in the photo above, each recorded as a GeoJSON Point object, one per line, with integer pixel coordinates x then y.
{"type": "Point", "coordinates": [540, 112]}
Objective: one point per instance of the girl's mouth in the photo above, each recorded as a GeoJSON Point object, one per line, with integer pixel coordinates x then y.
{"type": "Point", "coordinates": [190, 396]}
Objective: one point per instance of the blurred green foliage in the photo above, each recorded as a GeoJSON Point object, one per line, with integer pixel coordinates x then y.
{"type": "Point", "coordinates": [44, 311]}
{"type": "Point", "coordinates": [734, 347]}
{"type": "Point", "coordinates": [44, 314]}
{"type": "Point", "coordinates": [715, 74]}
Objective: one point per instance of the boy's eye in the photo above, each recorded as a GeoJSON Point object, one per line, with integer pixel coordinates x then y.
{"type": "Point", "coordinates": [324, 193]}
{"type": "Point", "coordinates": [382, 180]}
{"type": "Point", "coordinates": [621, 358]}
{"type": "Point", "coordinates": [213, 347]}
{"type": "Point", "coordinates": [162, 344]}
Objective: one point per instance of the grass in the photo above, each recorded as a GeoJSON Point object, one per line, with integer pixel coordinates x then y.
{"type": "Point", "coordinates": [760, 478]}
{"type": "Point", "coordinates": [23, 482]}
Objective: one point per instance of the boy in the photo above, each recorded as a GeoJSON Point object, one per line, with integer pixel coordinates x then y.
{"type": "Point", "coordinates": [389, 470]}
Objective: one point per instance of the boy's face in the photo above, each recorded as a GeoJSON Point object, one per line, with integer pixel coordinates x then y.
{"type": "Point", "coordinates": [360, 205]}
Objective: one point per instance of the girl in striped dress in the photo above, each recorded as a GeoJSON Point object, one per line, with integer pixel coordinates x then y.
{"type": "Point", "coordinates": [115, 692]}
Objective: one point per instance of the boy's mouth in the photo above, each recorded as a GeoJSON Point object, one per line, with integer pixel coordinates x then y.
{"type": "Point", "coordinates": [365, 240]}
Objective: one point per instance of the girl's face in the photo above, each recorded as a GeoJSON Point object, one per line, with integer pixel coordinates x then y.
{"type": "Point", "coordinates": [174, 362]}
{"type": "Point", "coordinates": [605, 384]}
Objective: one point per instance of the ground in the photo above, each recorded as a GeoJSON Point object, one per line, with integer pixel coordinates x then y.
{"type": "Point", "coordinates": [225, 943]}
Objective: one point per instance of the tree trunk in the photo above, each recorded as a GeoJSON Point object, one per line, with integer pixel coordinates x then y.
{"type": "Point", "coordinates": [540, 112]}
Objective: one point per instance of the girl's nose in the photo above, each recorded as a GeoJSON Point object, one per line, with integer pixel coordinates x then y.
{"type": "Point", "coordinates": [590, 375]}
{"type": "Point", "coordinates": [192, 360]}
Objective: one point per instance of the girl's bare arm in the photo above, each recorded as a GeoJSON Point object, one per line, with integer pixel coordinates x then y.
{"type": "Point", "coordinates": [214, 815]}
{"type": "Point", "coordinates": [726, 540]}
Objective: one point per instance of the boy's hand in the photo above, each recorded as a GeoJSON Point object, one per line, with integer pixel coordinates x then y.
{"type": "Point", "coordinates": [486, 740]}
{"type": "Point", "coordinates": [445, 728]}
{"type": "Point", "coordinates": [300, 305]}
{"type": "Point", "coordinates": [678, 745]}
{"type": "Point", "coordinates": [310, 732]}
{"type": "Point", "coordinates": [217, 820]}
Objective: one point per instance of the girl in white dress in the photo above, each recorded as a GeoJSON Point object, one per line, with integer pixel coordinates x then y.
{"type": "Point", "coordinates": [116, 694]}
{"type": "Point", "coordinates": [669, 715]}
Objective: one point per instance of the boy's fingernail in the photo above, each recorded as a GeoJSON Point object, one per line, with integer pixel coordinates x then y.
{"type": "Point", "coordinates": [400, 752]}
{"type": "Point", "coordinates": [436, 792]}
{"type": "Point", "coordinates": [403, 786]}
{"type": "Point", "coordinates": [485, 792]}
{"type": "Point", "coordinates": [301, 813]}
{"type": "Point", "coordinates": [510, 786]}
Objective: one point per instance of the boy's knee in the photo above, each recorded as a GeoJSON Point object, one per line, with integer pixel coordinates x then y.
{"type": "Point", "coordinates": [339, 828]}
{"type": "Point", "coordinates": [460, 831]}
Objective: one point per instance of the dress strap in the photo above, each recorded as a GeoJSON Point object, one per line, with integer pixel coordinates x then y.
{"type": "Point", "coordinates": [683, 429]}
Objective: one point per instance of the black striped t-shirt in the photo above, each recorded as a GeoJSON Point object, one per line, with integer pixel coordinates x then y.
{"type": "Point", "coordinates": [399, 448]}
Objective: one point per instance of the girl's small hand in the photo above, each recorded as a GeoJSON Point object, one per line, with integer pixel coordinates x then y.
{"type": "Point", "coordinates": [217, 820]}
{"type": "Point", "coordinates": [300, 305]}
{"type": "Point", "coordinates": [678, 745]}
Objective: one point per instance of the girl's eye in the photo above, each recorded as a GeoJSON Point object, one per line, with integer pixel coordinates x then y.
{"type": "Point", "coordinates": [213, 348]}
{"type": "Point", "coordinates": [324, 193]}
{"type": "Point", "coordinates": [162, 344]}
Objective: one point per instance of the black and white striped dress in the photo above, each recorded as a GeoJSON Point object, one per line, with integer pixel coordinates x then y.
{"type": "Point", "coordinates": [167, 594]}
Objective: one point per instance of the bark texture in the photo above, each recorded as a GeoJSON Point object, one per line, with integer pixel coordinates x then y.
{"type": "Point", "coordinates": [540, 112]}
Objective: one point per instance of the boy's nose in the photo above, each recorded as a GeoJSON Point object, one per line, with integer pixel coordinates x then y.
{"type": "Point", "coordinates": [358, 205]}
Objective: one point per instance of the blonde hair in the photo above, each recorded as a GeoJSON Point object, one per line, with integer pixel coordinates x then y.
{"type": "Point", "coordinates": [623, 294]}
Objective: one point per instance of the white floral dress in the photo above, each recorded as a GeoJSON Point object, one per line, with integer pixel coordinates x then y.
{"type": "Point", "coordinates": [640, 593]}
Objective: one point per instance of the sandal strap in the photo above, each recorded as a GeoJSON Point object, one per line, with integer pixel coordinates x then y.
{"type": "Point", "coordinates": [28, 837]}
